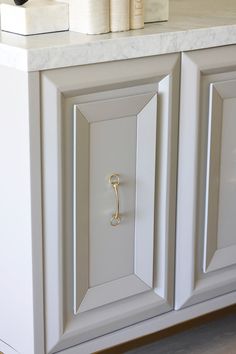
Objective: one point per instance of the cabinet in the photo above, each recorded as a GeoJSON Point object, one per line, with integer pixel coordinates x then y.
{"type": "Point", "coordinates": [206, 240]}
{"type": "Point", "coordinates": [82, 283]}
{"type": "Point", "coordinates": [99, 120]}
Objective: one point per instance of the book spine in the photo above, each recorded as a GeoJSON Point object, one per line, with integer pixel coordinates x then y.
{"type": "Point", "coordinates": [90, 16]}
{"type": "Point", "coordinates": [136, 14]}
{"type": "Point", "coordinates": [119, 15]}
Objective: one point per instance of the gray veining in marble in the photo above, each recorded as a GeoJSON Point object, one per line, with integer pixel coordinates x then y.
{"type": "Point", "coordinates": [216, 337]}
{"type": "Point", "coordinates": [193, 24]}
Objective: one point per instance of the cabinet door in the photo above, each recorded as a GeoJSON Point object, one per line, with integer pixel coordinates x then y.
{"type": "Point", "coordinates": [206, 223]}
{"type": "Point", "coordinates": [109, 246]}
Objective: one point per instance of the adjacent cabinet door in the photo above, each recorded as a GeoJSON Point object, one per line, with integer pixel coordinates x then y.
{"type": "Point", "coordinates": [109, 134]}
{"type": "Point", "coordinates": [206, 208]}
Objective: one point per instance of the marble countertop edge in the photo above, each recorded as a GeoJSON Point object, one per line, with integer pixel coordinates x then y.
{"type": "Point", "coordinates": [185, 31]}
{"type": "Point", "coordinates": [115, 49]}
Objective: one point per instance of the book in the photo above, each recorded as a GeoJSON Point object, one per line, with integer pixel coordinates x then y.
{"type": "Point", "coordinates": [136, 14]}
{"type": "Point", "coordinates": [119, 15]}
{"type": "Point", "coordinates": [90, 16]}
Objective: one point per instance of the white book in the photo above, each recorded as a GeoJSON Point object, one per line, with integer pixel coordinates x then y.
{"type": "Point", "coordinates": [156, 10]}
{"type": "Point", "coordinates": [119, 15]}
{"type": "Point", "coordinates": [90, 16]}
{"type": "Point", "coordinates": [136, 14]}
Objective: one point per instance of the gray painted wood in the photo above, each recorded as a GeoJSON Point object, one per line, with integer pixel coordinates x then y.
{"type": "Point", "coordinates": [21, 294]}
{"type": "Point", "coordinates": [220, 222]}
{"type": "Point", "coordinates": [213, 179]}
{"type": "Point", "coordinates": [119, 259]}
{"type": "Point", "coordinates": [199, 70]}
{"type": "Point", "coordinates": [106, 96]}
{"type": "Point", "coordinates": [152, 325]}
{"type": "Point", "coordinates": [145, 191]}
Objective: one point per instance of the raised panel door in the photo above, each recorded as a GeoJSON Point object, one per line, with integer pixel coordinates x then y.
{"type": "Point", "coordinates": [206, 238]}
{"type": "Point", "coordinates": [100, 277]}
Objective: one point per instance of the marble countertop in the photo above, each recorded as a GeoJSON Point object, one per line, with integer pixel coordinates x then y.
{"type": "Point", "coordinates": [193, 24]}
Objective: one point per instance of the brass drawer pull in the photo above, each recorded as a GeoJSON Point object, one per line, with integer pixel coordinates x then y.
{"type": "Point", "coordinates": [115, 181]}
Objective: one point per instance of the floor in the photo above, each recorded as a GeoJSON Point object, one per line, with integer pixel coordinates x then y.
{"type": "Point", "coordinates": [216, 337]}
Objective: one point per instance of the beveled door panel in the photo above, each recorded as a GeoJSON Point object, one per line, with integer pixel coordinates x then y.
{"type": "Point", "coordinates": [102, 277]}
{"type": "Point", "coordinates": [206, 238]}
{"type": "Point", "coordinates": [119, 260]}
{"type": "Point", "coordinates": [220, 236]}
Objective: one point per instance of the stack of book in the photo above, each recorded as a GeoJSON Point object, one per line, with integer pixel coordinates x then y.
{"type": "Point", "coordinates": [102, 16]}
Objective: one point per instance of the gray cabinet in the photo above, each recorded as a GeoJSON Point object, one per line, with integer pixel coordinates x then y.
{"type": "Point", "coordinates": [97, 121]}
{"type": "Point", "coordinates": [206, 237]}
{"type": "Point", "coordinates": [117, 204]}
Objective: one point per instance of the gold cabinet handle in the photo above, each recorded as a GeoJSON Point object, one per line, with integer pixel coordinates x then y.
{"type": "Point", "coordinates": [115, 181]}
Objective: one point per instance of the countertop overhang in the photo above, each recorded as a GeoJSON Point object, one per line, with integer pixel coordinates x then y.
{"type": "Point", "coordinates": [193, 24]}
